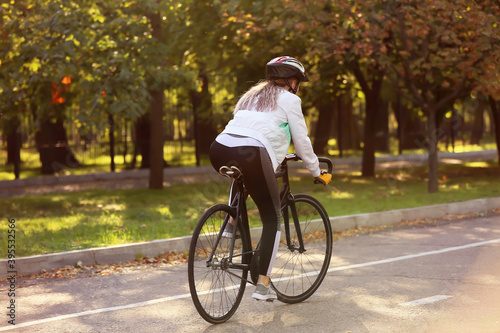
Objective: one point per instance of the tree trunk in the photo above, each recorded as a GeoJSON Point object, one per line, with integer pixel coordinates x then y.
{"type": "Point", "coordinates": [204, 130]}
{"type": "Point", "coordinates": [111, 123]}
{"type": "Point", "coordinates": [496, 119]}
{"type": "Point", "coordinates": [14, 148]}
{"type": "Point", "coordinates": [373, 100]}
{"type": "Point", "coordinates": [397, 107]}
{"type": "Point", "coordinates": [368, 162]}
{"type": "Point", "coordinates": [156, 137]}
{"type": "Point", "coordinates": [478, 123]}
{"type": "Point", "coordinates": [157, 162]}
{"type": "Point", "coordinates": [13, 135]}
{"type": "Point", "coordinates": [410, 131]}
{"type": "Point", "coordinates": [125, 141]}
{"type": "Point", "coordinates": [195, 102]}
{"type": "Point", "coordinates": [372, 105]}
{"type": "Point", "coordinates": [323, 127]}
{"type": "Point", "coordinates": [142, 134]}
{"type": "Point", "coordinates": [382, 128]}
{"type": "Point", "coordinates": [432, 185]}
{"type": "Point", "coordinates": [135, 142]}
{"type": "Point", "coordinates": [346, 129]}
{"type": "Point", "coordinates": [52, 143]}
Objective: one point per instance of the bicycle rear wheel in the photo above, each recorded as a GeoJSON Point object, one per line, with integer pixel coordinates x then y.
{"type": "Point", "coordinates": [216, 288]}
{"type": "Point", "coordinates": [297, 273]}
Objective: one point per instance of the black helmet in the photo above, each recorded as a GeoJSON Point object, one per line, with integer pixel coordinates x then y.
{"type": "Point", "coordinates": [286, 67]}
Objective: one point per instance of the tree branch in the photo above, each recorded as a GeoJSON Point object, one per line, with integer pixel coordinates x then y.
{"type": "Point", "coordinates": [452, 96]}
{"type": "Point", "coordinates": [406, 66]}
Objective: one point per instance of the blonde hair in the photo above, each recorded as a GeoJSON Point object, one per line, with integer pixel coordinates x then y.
{"type": "Point", "coordinates": [261, 97]}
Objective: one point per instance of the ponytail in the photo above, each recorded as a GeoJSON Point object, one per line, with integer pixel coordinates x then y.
{"type": "Point", "coordinates": [261, 97]}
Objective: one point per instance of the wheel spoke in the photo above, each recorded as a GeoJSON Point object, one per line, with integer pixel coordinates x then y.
{"type": "Point", "coordinates": [216, 288]}
{"type": "Point", "coordinates": [297, 275]}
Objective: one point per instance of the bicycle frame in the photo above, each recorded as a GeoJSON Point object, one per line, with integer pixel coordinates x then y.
{"type": "Point", "coordinates": [239, 204]}
{"type": "Point", "coordinates": [286, 198]}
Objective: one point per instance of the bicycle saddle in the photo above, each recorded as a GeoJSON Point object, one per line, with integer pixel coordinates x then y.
{"type": "Point", "coordinates": [231, 172]}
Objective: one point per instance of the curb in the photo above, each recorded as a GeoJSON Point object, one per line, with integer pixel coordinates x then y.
{"type": "Point", "coordinates": [121, 253]}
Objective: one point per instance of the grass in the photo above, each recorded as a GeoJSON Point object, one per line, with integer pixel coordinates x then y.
{"type": "Point", "coordinates": [71, 221]}
{"type": "Point", "coordinates": [97, 159]}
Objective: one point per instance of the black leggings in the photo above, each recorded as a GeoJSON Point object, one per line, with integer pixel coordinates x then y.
{"type": "Point", "coordinates": [261, 184]}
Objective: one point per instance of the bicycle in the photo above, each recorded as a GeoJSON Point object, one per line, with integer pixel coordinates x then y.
{"type": "Point", "coordinates": [218, 267]}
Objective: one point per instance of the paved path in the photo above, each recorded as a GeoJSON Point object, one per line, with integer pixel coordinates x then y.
{"type": "Point", "coordinates": [437, 278]}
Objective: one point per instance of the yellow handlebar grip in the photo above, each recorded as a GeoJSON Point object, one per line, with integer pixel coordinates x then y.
{"type": "Point", "coordinates": [326, 177]}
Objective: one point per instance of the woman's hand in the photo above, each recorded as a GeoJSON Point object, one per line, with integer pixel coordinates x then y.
{"type": "Point", "coordinates": [323, 179]}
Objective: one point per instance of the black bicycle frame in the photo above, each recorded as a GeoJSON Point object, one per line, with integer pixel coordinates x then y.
{"type": "Point", "coordinates": [239, 203]}
{"type": "Point", "coordinates": [287, 200]}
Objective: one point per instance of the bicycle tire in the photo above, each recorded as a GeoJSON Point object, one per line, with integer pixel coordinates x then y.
{"type": "Point", "coordinates": [216, 290]}
{"type": "Point", "coordinates": [296, 276]}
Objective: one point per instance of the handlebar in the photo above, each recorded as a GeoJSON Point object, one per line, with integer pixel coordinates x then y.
{"type": "Point", "coordinates": [295, 157]}
{"type": "Point", "coordinates": [328, 162]}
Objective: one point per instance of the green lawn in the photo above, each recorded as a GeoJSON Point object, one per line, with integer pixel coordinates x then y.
{"type": "Point", "coordinates": [97, 158]}
{"type": "Point", "coordinates": [70, 221]}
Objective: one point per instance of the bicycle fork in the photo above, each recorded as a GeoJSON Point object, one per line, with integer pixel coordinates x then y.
{"type": "Point", "coordinates": [296, 223]}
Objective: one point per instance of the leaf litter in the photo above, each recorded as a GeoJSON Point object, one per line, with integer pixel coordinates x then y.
{"type": "Point", "coordinates": [79, 270]}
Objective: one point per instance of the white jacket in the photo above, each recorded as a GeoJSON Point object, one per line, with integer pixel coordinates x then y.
{"type": "Point", "coordinates": [274, 128]}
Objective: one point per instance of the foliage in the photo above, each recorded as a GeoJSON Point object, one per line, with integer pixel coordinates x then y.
{"type": "Point", "coordinates": [433, 52]}
{"type": "Point", "coordinates": [429, 52]}
{"type": "Point", "coordinates": [105, 47]}
{"type": "Point", "coordinates": [440, 57]}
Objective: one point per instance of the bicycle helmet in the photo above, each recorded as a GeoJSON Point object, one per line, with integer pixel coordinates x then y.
{"type": "Point", "coordinates": [286, 67]}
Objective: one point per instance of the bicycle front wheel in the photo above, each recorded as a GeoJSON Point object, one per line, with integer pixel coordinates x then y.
{"type": "Point", "coordinates": [298, 271]}
{"type": "Point", "coordinates": [216, 288]}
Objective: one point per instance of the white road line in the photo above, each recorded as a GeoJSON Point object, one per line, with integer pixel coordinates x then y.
{"type": "Point", "coordinates": [96, 311]}
{"type": "Point", "coordinates": [166, 299]}
{"type": "Point", "coordinates": [427, 300]}
{"type": "Point", "coordinates": [412, 256]}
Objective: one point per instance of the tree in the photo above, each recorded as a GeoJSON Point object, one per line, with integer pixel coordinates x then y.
{"type": "Point", "coordinates": [256, 32]}
{"type": "Point", "coordinates": [351, 33]}
{"type": "Point", "coordinates": [13, 136]}
{"type": "Point", "coordinates": [488, 84]}
{"type": "Point", "coordinates": [52, 41]}
{"type": "Point", "coordinates": [232, 49]}
{"type": "Point", "coordinates": [106, 49]}
{"type": "Point", "coordinates": [495, 110]}
{"type": "Point", "coordinates": [331, 87]}
{"type": "Point", "coordinates": [438, 57]}
{"type": "Point", "coordinates": [35, 57]}
{"type": "Point", "coordinates": [112, 67]}
{"type": "Point", "coordinates": [156, 91]}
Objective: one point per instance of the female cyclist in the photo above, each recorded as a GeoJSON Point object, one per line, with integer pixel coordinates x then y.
{"type": "Point", "coordinates": [256, 141]}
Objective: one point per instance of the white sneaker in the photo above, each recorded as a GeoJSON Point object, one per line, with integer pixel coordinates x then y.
{"type": "Point", "coordinates": [263, 293]}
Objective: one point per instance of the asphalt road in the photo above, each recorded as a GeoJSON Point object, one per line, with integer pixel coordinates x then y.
{"type": "Point", "coordinates": [436, 278]}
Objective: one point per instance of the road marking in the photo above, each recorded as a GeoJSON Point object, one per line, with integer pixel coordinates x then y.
{"type": "Point", "coordinates": [412, 256]}
{"type": "Point", "coordinates": [166, 299]}
{"type": "Point", "coordinates": [427, 300]}
{"type": "Point", "coordinates": [96, 311]}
